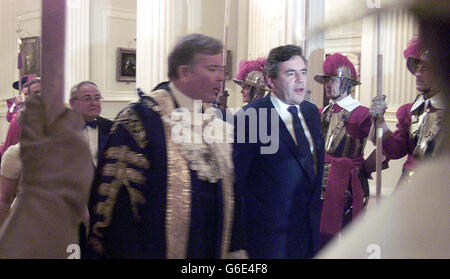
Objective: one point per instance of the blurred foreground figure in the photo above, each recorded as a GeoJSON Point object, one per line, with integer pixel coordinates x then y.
{"type": "Point", "coordinates": [414, 223]}
{"type": "Point", "coordinates": [54, 187]}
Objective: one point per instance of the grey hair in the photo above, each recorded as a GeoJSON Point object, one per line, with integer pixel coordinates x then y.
{"type": "Point", "coordinates": [187, 47]}
{"type": "Point", "coordinates": [76, 88]}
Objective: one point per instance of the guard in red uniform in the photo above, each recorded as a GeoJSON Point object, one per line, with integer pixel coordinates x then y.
{"type": "Point", "coordinates": [251, 78]}
{"type": "Point", "coordinates": [345, 125]}
{"type": "Point", "coordinates": [419, 123]}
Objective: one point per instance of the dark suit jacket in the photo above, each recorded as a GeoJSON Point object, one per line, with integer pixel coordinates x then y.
{"type": "Point", "coordinates": [104, 126]}
{"type": "Point", "coordinates": [279, 193]}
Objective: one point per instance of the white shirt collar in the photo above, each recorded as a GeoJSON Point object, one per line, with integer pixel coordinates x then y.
{"type": "Point", "coordinates": [436, 101]}
{"type": "Point", "coordinates": [348, 103]}
{"type": "Point", "coordinates": [280, 106]}
{"type": "Point", "coordinates": [182, 100]}
{"type": "Point", "coordinates": [285, 115]}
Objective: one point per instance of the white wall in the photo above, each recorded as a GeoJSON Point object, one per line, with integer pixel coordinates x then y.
{"type": "Point", "coordinates": [113, 25]}
{"type": "Point", "coordinates": [14, 15]}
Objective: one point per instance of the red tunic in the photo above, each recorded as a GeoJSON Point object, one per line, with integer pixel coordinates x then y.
{"type": "Point", "coordinates": [343, 174]}
{"type": "Point", "coordinates": [400, 143]}
{"type": "Point", "coordinates": [12, 137]}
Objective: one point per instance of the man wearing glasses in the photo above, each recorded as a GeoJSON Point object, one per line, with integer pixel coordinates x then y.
{"type": "Point", "coordinates": [87, 100]}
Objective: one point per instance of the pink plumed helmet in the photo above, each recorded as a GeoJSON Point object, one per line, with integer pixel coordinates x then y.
{"type": "Point", "coordinates": [337, 65]}
{"type": "Point", "coordinates": [251, 72]}
{"type": "Point", "coordinates": [415, 54]}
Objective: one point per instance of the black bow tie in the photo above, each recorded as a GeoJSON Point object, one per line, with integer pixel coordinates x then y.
{"type": "Point", "coordinates": [93, 124]}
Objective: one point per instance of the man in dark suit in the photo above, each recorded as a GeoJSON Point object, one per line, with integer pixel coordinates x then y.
{"type": "Point", "coordinates": [279, 179]}
{"type": "Point", "coordinates": [87, 100]}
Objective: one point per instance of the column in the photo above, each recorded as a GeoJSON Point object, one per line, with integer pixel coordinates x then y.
{"type": "Point", "coordinates": [267, 26]}
{"type": "Point", "coordinates": [315, 17]}
{"type": "Point", "coordinates": [313, 47]}
{"type": "Point", "coordinates": [8, 56]}
{"type": "Point", "coordinates": [77, 44]}
{"type": "Point", "coordinates": [397, 28]}
{"type": "Point", "coordinates": [9, 49]}
{"type": "Point", "coordinates": [194, 16]}
{"type": "Point", "coordinates": [154, 40]}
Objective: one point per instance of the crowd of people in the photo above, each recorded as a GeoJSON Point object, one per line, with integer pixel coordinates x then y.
{"type": "Point", "coordinates": [291, 179]}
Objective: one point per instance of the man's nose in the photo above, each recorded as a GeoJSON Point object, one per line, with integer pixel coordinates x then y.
{"type": "Point", "coordinates": [299, 78]}
{"type": "Point", "coordinates": [220, 75]}
{"type": "Point", "coordinates": [94, 103]}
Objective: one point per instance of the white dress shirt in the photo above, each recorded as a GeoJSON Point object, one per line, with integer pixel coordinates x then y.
{"type": "Point", "coordinates": [91, 136]}
{"type": "Point", "coordinates": [184, 101]}
{"type": "Point", "coordinates": [286, 116]}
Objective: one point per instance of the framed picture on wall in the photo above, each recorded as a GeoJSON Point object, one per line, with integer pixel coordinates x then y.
{"type": "Point", "coordinates": [126, 65]}
{"type": "Point", "coordinates": [31, 56]}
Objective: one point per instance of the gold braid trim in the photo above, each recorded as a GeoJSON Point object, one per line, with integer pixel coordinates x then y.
{"type": "Point", "coordinates": [178, 212]}
{"type": "Point", "coordinates": [123, 175]}
{"type": "Point", "coordinates": [223, 155]}
{"type": "Point", "coordinates": [132, 122]}
{"type": "Point", "coordinates": [133, 158]}
{"type": "Point", "coordinates": [179, 185]}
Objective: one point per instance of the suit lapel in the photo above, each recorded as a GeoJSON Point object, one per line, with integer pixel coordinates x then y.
{"type": "Point", "coordinates": [285, 136]}
{"type": "Point", "coordinates": [312, 121]}
{"type": "Point", "coordinates": [316, 133]}
{"type": "Point", "coordinates": [102, 137]}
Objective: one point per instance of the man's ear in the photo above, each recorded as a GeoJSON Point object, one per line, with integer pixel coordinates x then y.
{"type": "Point", "coordinates": [270, 82]}
{"type": "Point", "coordinates": [184, 72]}
{"type": "Point", "coordinates": [71, 102]}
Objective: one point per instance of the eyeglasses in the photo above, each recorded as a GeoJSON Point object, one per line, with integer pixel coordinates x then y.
{"type": "Point", "coordinates": [89, 99]}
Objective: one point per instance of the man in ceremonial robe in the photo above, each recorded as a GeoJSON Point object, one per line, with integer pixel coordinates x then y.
{"type": "Point", "coordinates": [161, 193]}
